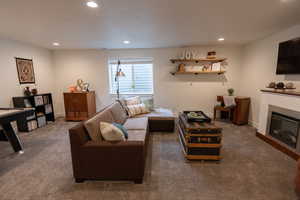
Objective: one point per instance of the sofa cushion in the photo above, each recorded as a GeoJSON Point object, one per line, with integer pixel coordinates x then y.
{"type": "Point", "coordinates": [137, 135]}
{"type": "Point", "coordinates": [111, 132]}
{"type": "Point", "coordinates": [118, 113]}
{"type": "Point", "coordinates": [136, 123]}
{"type": "Point", "coordinates": [93, 125]}
{"type": "Point", "coordinates": [159, 114]}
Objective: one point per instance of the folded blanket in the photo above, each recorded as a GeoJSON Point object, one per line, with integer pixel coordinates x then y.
{"type": "Point", "coordinates": [229, 101]}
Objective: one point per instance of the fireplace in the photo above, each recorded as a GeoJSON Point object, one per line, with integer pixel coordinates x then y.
{"type": "Point", "coordinates": [284, 126]}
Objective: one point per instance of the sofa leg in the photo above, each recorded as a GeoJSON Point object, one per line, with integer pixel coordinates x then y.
{"type": "Point", "coordinates": [138, 181]}
{"type": "Point", "coordinates": [79, 180]}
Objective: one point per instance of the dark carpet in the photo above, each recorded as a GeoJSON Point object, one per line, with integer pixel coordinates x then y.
{"type": "Point", "coordinates": [250, 169]}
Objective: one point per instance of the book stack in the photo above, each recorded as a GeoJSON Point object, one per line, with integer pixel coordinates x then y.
{"type": "Point", "coordinates": [32, 125]}
{"type": "Point", "coordinates": [48, 108]}
{"type": "Point", "coordinates": [41, 118]}
{"type": "Point", "coordinates": [46, 100]}
{"type": "Point", "coordinates": [38, 100]}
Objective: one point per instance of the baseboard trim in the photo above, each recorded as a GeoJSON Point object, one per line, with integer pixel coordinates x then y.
{"type": "Point", "coordinates": [277, 145]}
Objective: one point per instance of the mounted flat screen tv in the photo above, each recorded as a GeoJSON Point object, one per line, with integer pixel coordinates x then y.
{"type": "Point", "coordinates": [289, 57]}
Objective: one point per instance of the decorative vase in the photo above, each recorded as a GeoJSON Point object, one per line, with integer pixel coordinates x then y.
{"type": "Point", "coordinates": [181, 67]}
{"type": "Point", "coordinates": [230, 91]}
{"type": "Point", "coordinates": [280, 85]}
{"type": "Point", "coordinates": [272, 85]}
{"type": "Point", "coordinates": [289, 85]}
{"type": "Point", "coordinates": [27, 91]}
{"type": "Point", "coordinates": [34, 91]}
{"type": "Point", "coordinates": [211, 54]}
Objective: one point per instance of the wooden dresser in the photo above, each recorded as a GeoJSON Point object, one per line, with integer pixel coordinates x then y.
{"type": "Point", "coordinates": [79, 105]}
{"type": "Point", "coordinates": [241, 110]}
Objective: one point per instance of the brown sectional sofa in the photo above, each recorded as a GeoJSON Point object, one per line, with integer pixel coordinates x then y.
{"type": "Point", "coordinates": [94, 158]}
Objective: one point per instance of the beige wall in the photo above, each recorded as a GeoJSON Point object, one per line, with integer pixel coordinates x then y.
{"type": "Point", "coordinates": [250, 69]}
{"type": "Point", "coordinates": [9, 82]}
{"type": "Point", "coordinates": [175, 92]}
{"type": "Point", "coordinates": [259, 67]}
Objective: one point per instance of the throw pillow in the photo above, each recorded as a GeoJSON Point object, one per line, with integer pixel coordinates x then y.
{"type": "Point", "coordinates": [134, 110]}
{"type": "Point", "coordinates": [133, 101]}
{"type": "Point", "coordinates": [122, 128]}
{"type": "Point", "coordinates": [149, 103]}
{"type": "Point", "coordinates": [111, 133]}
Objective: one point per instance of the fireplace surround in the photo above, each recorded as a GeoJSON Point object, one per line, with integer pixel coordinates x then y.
{"type": "Point", "coordinates": [284, 106]}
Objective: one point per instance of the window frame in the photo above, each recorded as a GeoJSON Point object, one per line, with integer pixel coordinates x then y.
{"type": "Point", "coordinates": [129, 61]}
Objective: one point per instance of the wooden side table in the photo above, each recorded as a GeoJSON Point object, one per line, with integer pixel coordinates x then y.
{"type": "Point", "coordinates": [229, 110]}
{"type": "Point", "coordinates": [240, 113]}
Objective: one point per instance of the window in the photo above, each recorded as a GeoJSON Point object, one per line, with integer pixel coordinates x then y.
{"type": "Point", "coordinates": [138, 77]}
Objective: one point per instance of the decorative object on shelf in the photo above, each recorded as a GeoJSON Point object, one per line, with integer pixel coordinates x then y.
{"type": "Point", "coordinates": [188, 55]}
{"type": "Point", "coordinates": [205, 68]}
{"type": "Point", "coordinates": [280, 85]}
{"type": "Point", "coordinates": [216, 67]}
{"type": "Point", "coordinates": [25, 71]}
{"type": "Point", "coordinates": [272, 85]}
{"type": "Point", "coordinates": [80, 84]}
{"type": "Point", "coordinates": [27, 91]}
{"type": "Point", "coordinates": [182, 56]}
{"type": "Point", "coordinates": [73, 89]}
{"type": "Point", "coordinates": [211, 55]}
{"type": "Point", "coordinates": [230, 91]}
{"type": "Point", "coordinates": [289, 85]}
{"type": "Point", "coordinates": [119, 74]}
{"type": "Point", "coordinates": [181, 67]}
{"type": "Point", "coordinates": [34, 91]}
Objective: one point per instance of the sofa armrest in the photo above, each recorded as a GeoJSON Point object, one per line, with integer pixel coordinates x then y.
{"type": "Point", "coordinates": [114, 160]}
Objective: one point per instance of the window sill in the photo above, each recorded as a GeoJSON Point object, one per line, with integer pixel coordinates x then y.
{"type": "Point", "coordinates": [132, 94]}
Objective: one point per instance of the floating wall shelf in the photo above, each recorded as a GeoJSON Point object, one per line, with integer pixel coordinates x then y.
{"type": "Point", "coordinates": [200, 72]}
{"type": "Point", "coordinates": [213, 60]}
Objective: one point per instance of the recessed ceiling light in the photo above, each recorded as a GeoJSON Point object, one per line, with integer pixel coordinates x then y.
{"type": "Point", "coordinates": [126, 42]}
{"type": "Point", "coordinates": [287, 1]}
{"type": "Point", "coordinates": [92, 4]}
{"type": "Point", "coordinates": [55, 44]}
{"type": "Point", "coordinates": [221, 39]}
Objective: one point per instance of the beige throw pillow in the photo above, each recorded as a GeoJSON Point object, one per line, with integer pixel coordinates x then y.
{"type": "Point", "coordinates": [133, 101]}
{"type": "Point", "coordinates": [111, 133]}
{"type": "Point", "coordinates": [137, 109]}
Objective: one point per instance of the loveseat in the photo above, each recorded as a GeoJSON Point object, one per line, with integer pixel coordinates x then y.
{"type": "Point", "coordinates": [125, 160]}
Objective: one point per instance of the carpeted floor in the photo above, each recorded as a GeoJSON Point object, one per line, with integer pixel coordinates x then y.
{"type": "Point", "coordinates": [251, 169]}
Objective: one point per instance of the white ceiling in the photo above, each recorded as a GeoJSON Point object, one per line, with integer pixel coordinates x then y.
{"type": "Point", "coordinates": [146, 23]}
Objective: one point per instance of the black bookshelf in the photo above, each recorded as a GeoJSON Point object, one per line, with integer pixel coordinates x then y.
{"type": "Point", "coordinates": [44, 113]}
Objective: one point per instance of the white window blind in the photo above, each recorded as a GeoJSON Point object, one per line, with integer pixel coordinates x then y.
{"type": "Point", "coordinates": [138, 76]}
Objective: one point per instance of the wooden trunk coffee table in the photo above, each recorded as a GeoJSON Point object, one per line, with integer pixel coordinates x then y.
{"type": "Point", "coordinates": [200, 141]}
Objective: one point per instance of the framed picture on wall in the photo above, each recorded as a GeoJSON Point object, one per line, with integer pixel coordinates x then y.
{"type": "Point", "coordinates": [25, 71]}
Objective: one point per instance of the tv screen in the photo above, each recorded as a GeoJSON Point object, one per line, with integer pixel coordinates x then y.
{"type": "Point", "coordinates": [289, 57]}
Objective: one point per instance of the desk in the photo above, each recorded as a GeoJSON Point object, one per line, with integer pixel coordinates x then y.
{"type": "Point", "coordinates": [240, 111]}
{"type": "Point", "coordinates": [8, 115]}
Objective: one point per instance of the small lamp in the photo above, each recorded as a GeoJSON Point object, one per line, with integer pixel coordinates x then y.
{"type": "Point", "coordinates": [119, 74]}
